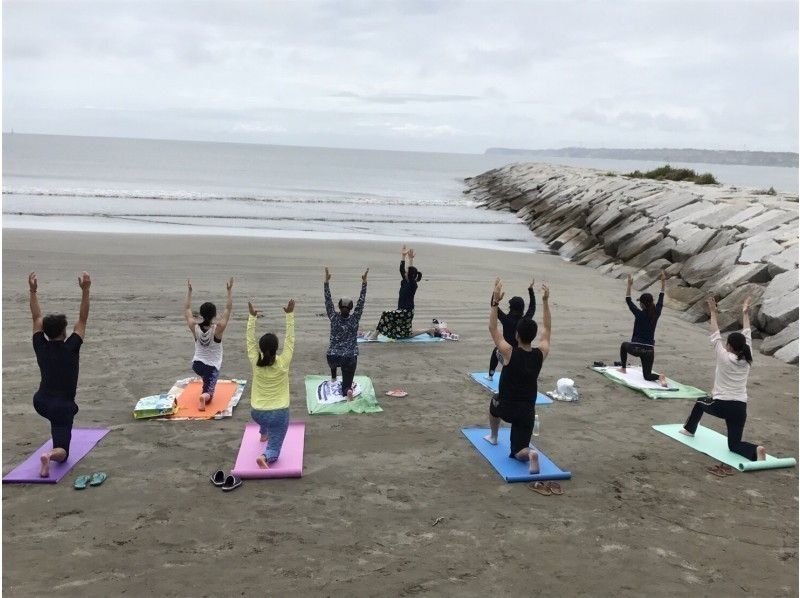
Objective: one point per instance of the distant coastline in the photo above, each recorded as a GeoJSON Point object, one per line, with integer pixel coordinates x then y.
{"type": "Point", "coordinates": [747, 158]}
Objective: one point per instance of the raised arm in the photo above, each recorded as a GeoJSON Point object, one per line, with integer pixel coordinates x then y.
{"type": "Point", "coordinates": [285, 358]}
{"type": "Point", "coordinates": [531, 301]}
{"type": "Point", "coordinates": [496, 334]}
{"type": "Point", "coordinates": [36, 311]}
{"type": "Point", "coordinates": [362, 297]}
{"type": "Point", "coordinates": [84, 282]}
{"type": "Point", "coordinates": [326, 291]}
{"type": "Point", "coordinates": [403, 263]}
{"type": "Point", "coordinates": [226, 315]}
{"type": "Point", "coordinates": [544, 340]}
{"type": "Point", "coordinates": [250, 336]}
{"type": "Point", "coordinates": [635, 310]}
{"type": "Point", "coordinates": [746, 314]}
{"type": "Point", "coordinates": [713, 325]}
{"type": "Point", "coordinates": [187, 307]}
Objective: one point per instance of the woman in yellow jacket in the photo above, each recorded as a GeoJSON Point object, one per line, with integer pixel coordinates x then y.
{"type": "Point", "coordinates": [269, 398]}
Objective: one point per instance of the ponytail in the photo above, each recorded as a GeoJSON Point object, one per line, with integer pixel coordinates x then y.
{"type": "Point", "coordinates": [208, 311]}
{"type": "Point", "coordinates": [649, 307]}
{"type": "Point", "coordinates": [741, 349]}
{"type": "Point", "coordinates": [268, 345]}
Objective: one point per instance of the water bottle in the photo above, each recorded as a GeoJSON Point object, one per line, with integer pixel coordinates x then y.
{"type": "Point", "coordinates": [536, 425]}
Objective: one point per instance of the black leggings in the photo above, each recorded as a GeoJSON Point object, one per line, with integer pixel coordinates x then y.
{"type": "Point", "coordinates": [734, 413]}
{"type": "Point", "coordinates": [644, 353]}
{"type": "Point", "coordinates": [348, 365]}
{"type": "Point", "coordinates": [521, 415]}
{"type": "Point", "coordinates": [60, 413]}
{"type": "Point", "coordinates": [493, 361]}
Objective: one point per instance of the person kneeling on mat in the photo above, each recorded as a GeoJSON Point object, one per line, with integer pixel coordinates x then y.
{"type": "Point", "coordinates": [519, 379]}
{"type": "Point", "coordinates": [269, 398]}
{"type": "Point", "coordinates": [643, 341]}
{"type": "Point", "coordinates": [516, 307]}
{"type": "Point", "coordinates": [729, 396]}
{"type": "Point", "coordinates": [343, 347]}
{"type": "Point", "coordinates": [58, 358]}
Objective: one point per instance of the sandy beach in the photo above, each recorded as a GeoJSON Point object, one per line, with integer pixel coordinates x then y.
{"type": "Point", "coordinates": [391, 504]}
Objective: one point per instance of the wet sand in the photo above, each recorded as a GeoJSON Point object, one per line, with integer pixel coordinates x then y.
{"type": "Point", "coordinates": [391, 504]}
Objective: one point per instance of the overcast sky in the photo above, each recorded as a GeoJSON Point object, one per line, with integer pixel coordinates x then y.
{"type": "Point", "coordinates": [412, 74]}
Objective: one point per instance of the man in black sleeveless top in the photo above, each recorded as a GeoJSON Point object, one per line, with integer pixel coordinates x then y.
{"type": "Point", "coordinates": [516, 401]}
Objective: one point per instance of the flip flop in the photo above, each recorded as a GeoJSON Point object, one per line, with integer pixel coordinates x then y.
{"type": "Point", "coordinates": [232, 482]}
{"type": "Point", "coordinates": [218, 478]}
{"type": "Point", "coordinates": [397, 392]}
{"type": "Point", "coordinates": [81, 482]}
{"type": "Point", "coordinates": [555, 488]}
{"type": "Point", "coordinates": [97, 478]}
{"type": "Point", "coordinates": [717, 471]}
{"type": "Point", "coordinates": [541, 488]}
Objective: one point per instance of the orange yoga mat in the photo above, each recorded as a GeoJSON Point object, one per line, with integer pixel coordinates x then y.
{"type": "Point", "coordinates": [189, 400]}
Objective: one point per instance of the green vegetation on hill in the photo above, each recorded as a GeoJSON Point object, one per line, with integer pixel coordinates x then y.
{"type": "Point", "coordinates": [667, 173]}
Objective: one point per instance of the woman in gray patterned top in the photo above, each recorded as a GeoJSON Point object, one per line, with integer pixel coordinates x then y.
{"type": "Point", "coordinates": [343, 349]}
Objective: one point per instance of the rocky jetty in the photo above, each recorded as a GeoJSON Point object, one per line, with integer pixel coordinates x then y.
{"type": "Point", "coordinates": [717, 240]}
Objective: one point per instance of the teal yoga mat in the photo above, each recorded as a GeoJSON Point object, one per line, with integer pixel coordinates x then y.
{"type": "Point", "coordinates": [676, 390]}
{"type": "Point", "coordinates": [366, 402]}
{"type": "Point", "coordinates": [420, 338]}
{"type": "Point", "coordinates": [715, 445]}
{"type": "Point", "coordinates": [493, 385]}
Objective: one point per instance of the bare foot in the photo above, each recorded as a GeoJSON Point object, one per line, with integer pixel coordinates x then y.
{"type": "Point", "coordinates": [761, 453]}
{"type": "Point", "coordinates": [622, 370]}
{"type": "Point", "coordinates": [262, 462]}
{"type": "Point", "coordinates": [202, 405]}
{"type": "Point", "coordinates": [686, 433]}
{"type": "Point", "coordinates": [44, 472]}
{"type": "Point", "coordinates": [533, 461]}
{"type": "Point", "coordinates": [491, 439]}
{"type": "Point", "coordinates": [350, 395]}
{"type": "Point", "coordinates": [662, 380]}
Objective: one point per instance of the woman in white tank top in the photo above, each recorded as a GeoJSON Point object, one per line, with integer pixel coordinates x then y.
{"type": "Point", "coordinates": [207, 360]}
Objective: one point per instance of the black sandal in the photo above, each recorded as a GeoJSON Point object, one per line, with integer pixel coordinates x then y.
{"type": "Point", "coordinates": [232, 482]}
{"type": "Point", "coordinates": [218, 478]}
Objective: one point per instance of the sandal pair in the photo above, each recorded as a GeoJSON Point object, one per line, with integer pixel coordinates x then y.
{"type": "Point", "coordinates": [226, 482]}
{"type": "Point", "coordinates": [721, 470]}
{"type": "Point", "coordinates": [547, 488]}
{"type": "Point", "coordinates": [95, 479]}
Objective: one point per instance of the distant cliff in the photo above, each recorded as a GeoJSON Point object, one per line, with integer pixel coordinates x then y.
{"type": "Point", "coordinates": [689, 155]}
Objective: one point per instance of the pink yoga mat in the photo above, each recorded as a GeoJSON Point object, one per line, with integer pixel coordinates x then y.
{"type": "Point", "coordinates": [288, 465]}
{"type": "Point", "coordinates": [83, 440]}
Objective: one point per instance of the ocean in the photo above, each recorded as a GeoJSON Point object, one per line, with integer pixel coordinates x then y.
{"type": "Point", "coordinates": [186, 187]}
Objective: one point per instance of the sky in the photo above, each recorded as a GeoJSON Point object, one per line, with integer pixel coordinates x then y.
{"type": "Point", "coordinates": [408, 75]}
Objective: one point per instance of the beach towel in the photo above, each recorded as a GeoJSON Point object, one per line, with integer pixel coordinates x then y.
{"type": "Point", "coordinates": [715, 445]}
{"type": "Point", "coordinates": [494, 386]}
{"type": "Point", "coordinates": [155, 406]}
{"type": "Point", "coordinates": [420, 338]}
{"type": "Point", "coordinates": [330, 391]}
{"type": "Point", "coordinates": [653, 390]}
{"type": "Point", "coordinates": [188, 400]}
{"type": "Point", "coordinates": [288, 465]}
{"type": "Point", "coordinates": [83, 441]}
{"type": "Point", "coordinates": [365, 402]}
{"type": "Point", "coordinates": [510, 469]}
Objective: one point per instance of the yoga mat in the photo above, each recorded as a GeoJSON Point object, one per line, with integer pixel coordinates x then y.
{"type": "Point", "coordinates": [288, 465]}
{"type": "Point", "coordinates": [652, 390]}
{"type": "Point", "coordinates": [715, 445]}
{"type": "Point", "coordinates": [366, 402]}
{"type": "Point", "coordinates": [420, 338]}
{"type": "Point", "coordinates": [510, 469]}
{"type": "Point", "coordinates": [494, 386]}
{"type": "Point", "coordinates": [83, 440]}
{"type": "Point", "coordinates": [189, 399]}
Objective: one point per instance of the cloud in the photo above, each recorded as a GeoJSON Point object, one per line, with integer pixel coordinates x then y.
{"type": "Point", "coordinates": [404, 98]}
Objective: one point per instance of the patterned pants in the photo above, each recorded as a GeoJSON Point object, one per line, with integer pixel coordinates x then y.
{"type": "Point", "coordinates": [396, 323]}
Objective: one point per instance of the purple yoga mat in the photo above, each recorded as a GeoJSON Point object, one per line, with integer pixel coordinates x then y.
{"type": "Point", "coordinates": [83, 440]}
{"type": "Point", "coordinates": [288, 465]}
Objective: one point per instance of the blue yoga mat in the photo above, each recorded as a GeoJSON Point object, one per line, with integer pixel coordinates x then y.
{"type": "Point", "coordinates": [510, 469]}
{"type": "Point", "coordinates": [420, 338]}
{"type": "Point", "coordinates": [494, 386]}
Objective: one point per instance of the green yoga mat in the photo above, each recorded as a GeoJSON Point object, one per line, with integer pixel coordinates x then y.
{"type": "Point", "coordinates": [366, 402]}
{"type": "Point", "coordinates": [678, 390]}
{"type": "Point", "coordinates": [715, 445]}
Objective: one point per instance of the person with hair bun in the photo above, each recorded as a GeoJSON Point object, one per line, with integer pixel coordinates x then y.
{"type": "Point", "coordinates": [642, 343]}
{"type": "Point", "coordinates": [269, 397]}
{"type": "Point", "coordinates": [207, 334]}
{"type": "Point", "coordinates": [729, 396]}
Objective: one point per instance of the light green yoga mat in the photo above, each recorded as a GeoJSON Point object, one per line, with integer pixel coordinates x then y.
{"type": "Point", "coordinates": [715, 445]}
{"type": "Point", "coordinates": [366, 402]}
{"type": "Point", "coordinates": [681, 391]}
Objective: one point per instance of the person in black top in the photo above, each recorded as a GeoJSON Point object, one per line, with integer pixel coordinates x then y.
{"type": "Point", "coordinates": [519, 379]}
{"type": "Point", "coordinates": [58, 358]}
{"type": "Point", "coordinates": [642, 343]}
{"type": "Point", "coordinates": [516, 307]}
{"type": "Point", "coordinates": [397, 323]}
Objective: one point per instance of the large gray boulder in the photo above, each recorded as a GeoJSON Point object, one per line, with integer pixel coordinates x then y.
{"type": "Point", "coordinates": [780, 303]}
{"type": "Point", "coordinates": [789, 353]}
{"type": "Point", "coordinates": [784, 261]}
{"type": "Point", "coordinates": [730, 308]}
{"type": "Point", "coordinates": [689, 241]}
{"type": "Point", "coordinates": [783, 338]}
{"type": "Point", "coordinates": [682, 298]}
{"type": "Point", "coordinates": [758, 250]}
{"type": "Point", "coordinates": [743, 215]}
{"type": "Point", "coordinates": [639, 243]}
{"type": "Point", "coordinates": [701, 267]}
{"type": "Point", "coordinates": [660, 250]}
{"type": "Point", "coordinates": [727, 281]}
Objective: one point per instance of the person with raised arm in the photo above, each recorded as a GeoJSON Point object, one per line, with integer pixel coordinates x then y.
{"type": "Point", "coordinates": [397, 323]}
{"type": "Point", "coordinates": [728, 399]}
{"type": "Point", "coordinates": [58, 357]}
{"type": "Point", "coordinates": [643, 341]}
{"type": "Point", "coordinates": [519, 378]}
{"type": "Point", "coordinates": [207, 334]}
{"type": "Point", "coordinates": [343, 347]}
{"type": "Point", "coordinates": [269, 397]}
{"type": "Point", "coordinates": [516, 307]}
